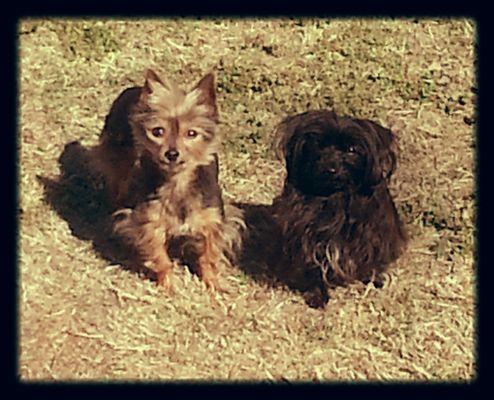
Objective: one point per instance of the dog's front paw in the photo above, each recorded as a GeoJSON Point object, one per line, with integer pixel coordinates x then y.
{"type": "Point", "coordinates": [377, 281]}
{"type": "Point", "coordinates": [210, 279]}
{"type": "Point", "coordinates": [316, 298]}
{"type": "Point", "coordinates": [164, 281]}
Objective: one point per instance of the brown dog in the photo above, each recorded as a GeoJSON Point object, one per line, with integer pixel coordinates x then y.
{"type": "Point", "coordinates": [158, 155]}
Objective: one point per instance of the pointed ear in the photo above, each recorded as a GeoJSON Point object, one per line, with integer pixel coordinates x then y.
{"type": "Point", "coordinates": [207, 89]}
{"type": "Point", "coordinates": [152, 81]}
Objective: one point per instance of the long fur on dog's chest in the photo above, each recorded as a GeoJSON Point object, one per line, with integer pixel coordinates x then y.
{"type": "Point", "coordinates": [178, 205]}
{"type": "Point", "coordinates": [186, 209]}
{"type": "Point", "coordinates": [346, 235]}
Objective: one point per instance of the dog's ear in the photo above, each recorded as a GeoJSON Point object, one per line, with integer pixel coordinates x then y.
{"type": "Point", "coordinates": [152, 81]}
{"type": "Point", "coordinates": [316, 120]}
{"type": "Point", "coordinates": [297, 146]}
{"type": "Point", "coordinates": [384, 151]}
{"type": "Point", "coordinates": [283, 134]}
{"type": "Point", "coordinates": [301, 152]}
{"type": "Point", "coordinates": [288, 147]}
{"type": "Point", "coordinates": [294, 151]}
{"type": "Point", "coordinates": [207, 94]}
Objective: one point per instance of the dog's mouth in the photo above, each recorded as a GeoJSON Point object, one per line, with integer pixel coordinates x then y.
{"type": "Point", "coordinates": [331, 175]}
{"type": "Point", "coordinates": [171, 165]}
{"type": "Point", "coordinates": [331, 181]}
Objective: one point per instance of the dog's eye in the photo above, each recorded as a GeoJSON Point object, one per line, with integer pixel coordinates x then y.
{"type": "Point", "coordinates": [351, 149]}
{"type": "Point", "coordinates": [191, 133]}
{"type": "Point", "coordinates": [158, 132]}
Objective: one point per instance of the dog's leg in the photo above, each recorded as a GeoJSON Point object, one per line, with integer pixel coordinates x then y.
{"type": "Point", "coordinates": [143, 229]}
{"type": "Point", "coordinates": [209, 259]}
{"type": "Point", "coordinates": [163, 266]}
{"type": "Point", "coordinates": [157, 259]}
{"type": "Point", "coordinates": [154, 250]}
{"type": "Point", "coordinates": [207, 225]}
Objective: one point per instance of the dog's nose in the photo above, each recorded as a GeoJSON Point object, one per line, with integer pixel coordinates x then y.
{"type": "Point", "coordinates": [171, 155]}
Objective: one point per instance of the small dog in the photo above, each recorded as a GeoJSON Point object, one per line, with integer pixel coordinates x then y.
{"type": "Point", "coordinates": [158, 156]}
{"type": "Point", "coordinates": [337, 217]}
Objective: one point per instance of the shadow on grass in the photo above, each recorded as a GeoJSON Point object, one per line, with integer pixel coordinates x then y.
{"type": "Point", "coordinates": [78, 196]}
{"type": "Point", "coordinates": [261, 245]}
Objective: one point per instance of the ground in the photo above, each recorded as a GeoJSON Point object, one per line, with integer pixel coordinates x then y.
{"type": "Point", "coordinates": [84, 317]}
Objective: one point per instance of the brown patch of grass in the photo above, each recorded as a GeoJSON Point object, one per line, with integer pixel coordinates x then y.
{"type": "Point", "coordinates": [84, 317]}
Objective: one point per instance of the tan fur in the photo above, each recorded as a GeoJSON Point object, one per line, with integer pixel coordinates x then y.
{"type": "Point", "coordinates": [149, 225]}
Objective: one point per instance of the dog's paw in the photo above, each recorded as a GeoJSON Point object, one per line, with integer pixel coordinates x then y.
{"type": "Point", "coordinates": [164, 281]}
{"type": "Point", "coordinates": [377, 282]}
{"type": "Point", "coordinates": [211, 282]}
{"type": "Point", "coordinates": [316, 298]}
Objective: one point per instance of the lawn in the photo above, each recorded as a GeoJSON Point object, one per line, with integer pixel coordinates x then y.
{"type": "Point", "coordinates": [84, 316]}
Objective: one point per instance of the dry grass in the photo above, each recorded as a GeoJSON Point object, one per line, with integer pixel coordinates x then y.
{"type": "Point", "coordinates": [84, 318]}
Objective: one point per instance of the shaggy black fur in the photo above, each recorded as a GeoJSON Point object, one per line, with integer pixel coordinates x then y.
{"type": "Point", "coordinates": [337, 218]}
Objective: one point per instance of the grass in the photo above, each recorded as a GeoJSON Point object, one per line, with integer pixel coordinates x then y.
{"type": "Point", "coordinates": [84, 317]}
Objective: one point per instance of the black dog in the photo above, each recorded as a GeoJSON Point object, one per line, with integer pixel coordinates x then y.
{"type": "Point", "coordinates": [337, 218]}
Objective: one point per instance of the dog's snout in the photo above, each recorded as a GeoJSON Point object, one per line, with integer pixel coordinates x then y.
{"type": "Point", "coordinates": [330, 162]}
{"type": "Point", "coordinates": [331, 167]}
{"type": "Point", "coordinates": [171, 155]}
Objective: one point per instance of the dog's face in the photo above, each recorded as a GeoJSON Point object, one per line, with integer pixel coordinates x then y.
{"type": "Point", "coordinates": [325, 154]}
{"type": "Point", "coordinates": [176, 129]}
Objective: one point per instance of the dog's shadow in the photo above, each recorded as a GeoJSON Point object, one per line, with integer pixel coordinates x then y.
{"type": "Point", "coordinates": [261, 245]}
{"type": "Point", "coordinates": [78, 197]}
